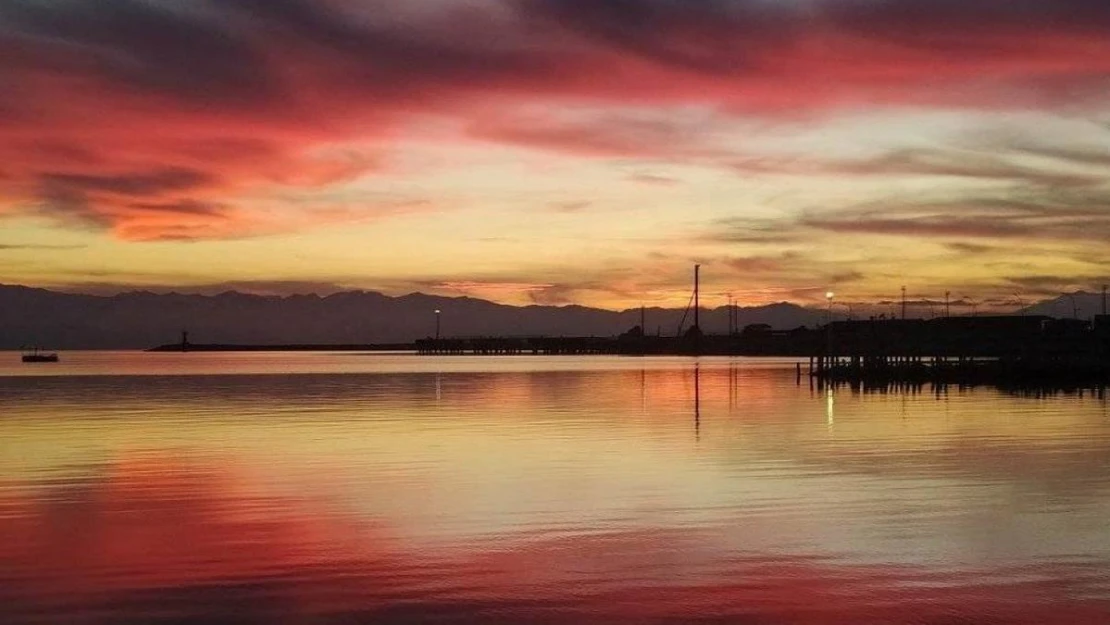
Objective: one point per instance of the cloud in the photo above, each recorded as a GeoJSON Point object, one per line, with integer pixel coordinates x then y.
{"type": "Point", "coordinates": [752, 231]}
{"type": "Point", "coordinates": [554, 295]}
{"type": "Point", "coordinates": [114, 107]}
{"type": "Point", "coordinates": [682, 136]}
{"type": "Point", "coordinates": [133, 184]}
{"type": "Point", "coordinates": [274, 288]}
{"type": "Point", "coordinates": [8, 247]}
{"type": "Point", "coordinates": [653, 179]}
{"type": "Point", "coordinates": [969, 248]}
{"type": "Point", "coordinates": [570, 206]}
{"type": "Point", "coordinates": [492, 289]}
{"type": "Point", "coordinates": [759, 264]}
{"type": "Point", "coordinates": [1049, 285]}
{"type": "Point", "coordinates": [1059, 217]}
{"type": "Point", "coordinates": [1069, 168]}
{"type": "Point", "coordinates": [600, 134]}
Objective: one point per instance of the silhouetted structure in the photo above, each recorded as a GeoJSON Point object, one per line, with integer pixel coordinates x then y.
{"type": "Point", "coordinates": [298, 347]}
{"type": "Point", "coordinates": [36, 355]}
{"type": "Point", "coordinates": [966, 350]}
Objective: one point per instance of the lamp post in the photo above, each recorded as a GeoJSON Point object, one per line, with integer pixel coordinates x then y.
{"type": "Point", "coordinates": [437, 324]}
{"type": "Point", "coordinates": [828, 329]}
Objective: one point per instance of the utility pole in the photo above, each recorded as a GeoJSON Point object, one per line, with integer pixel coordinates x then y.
{"type": "Point", "coordinates": [1104, 300]}
{"type": "Point", "coordinates": [947, 310]}
{"type": "Point", "coordinates": [903, 303]}
{"type": "Point", "coordinates": [828, 328]}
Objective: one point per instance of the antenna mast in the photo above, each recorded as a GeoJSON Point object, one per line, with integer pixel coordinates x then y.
{"type": "Point", "coordinates": [697, 298]}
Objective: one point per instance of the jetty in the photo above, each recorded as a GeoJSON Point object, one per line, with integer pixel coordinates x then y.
{"type": "Point", "coordinates": [515, 346]}
{"type": "Point", "coordinates": [997, 350]}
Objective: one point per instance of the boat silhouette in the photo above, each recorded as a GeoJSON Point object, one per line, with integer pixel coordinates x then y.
{"type": "Point", "coordinates": [36, 354]}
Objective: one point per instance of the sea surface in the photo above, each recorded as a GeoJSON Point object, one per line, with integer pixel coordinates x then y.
{"type": "Point", "coordinates": [317, 488]}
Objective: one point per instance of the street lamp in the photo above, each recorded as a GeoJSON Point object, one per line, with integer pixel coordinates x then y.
{"type": "Point", "coordinates": [828, 329]}
{"type": "Point", "coordinates": [437, 324]}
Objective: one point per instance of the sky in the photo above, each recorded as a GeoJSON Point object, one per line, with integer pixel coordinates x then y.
{"type": "Point", "coordinates": [558, 151]}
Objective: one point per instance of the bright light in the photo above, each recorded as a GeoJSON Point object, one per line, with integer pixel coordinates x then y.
{"type": "Point", "coordinates": [437, 312]}
{"type": "Point", "coordinates": [830, 295]}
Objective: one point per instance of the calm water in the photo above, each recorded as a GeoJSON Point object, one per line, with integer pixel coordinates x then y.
{"type": "Point", "coordinates": [341, 488]}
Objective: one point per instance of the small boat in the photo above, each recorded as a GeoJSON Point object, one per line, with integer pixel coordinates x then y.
{"type": "Point", "coordinates": [37, 355]}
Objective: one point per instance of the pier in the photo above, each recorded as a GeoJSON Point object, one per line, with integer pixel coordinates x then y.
{"type": "Point", "coordinates": [1011, 350]}
{"type": "Point", "coordinates": [516, 346]}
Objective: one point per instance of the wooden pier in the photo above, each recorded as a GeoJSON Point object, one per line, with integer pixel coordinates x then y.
{"type": "Point", "coordinates": [536, 346]}
{"type": "Point", "coordinates": [1020, 351]}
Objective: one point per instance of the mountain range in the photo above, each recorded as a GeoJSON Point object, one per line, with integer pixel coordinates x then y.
{"type": "Point", "coordinates": [138, 320]}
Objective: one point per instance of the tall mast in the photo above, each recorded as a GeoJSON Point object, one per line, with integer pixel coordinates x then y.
{"type": "Point", "coordinates": [697, 297]}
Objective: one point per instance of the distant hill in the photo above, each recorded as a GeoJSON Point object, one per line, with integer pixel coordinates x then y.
{"type": "Point", "coordinates": [138, 320]}
{"type": "Point", "coordinates": [1081, 304]}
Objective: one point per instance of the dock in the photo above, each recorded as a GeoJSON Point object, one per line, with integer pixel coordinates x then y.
{"type": "Point", "coordinates": [1010, 350]}
{"type": "Point", "coordinates": [516, 346]}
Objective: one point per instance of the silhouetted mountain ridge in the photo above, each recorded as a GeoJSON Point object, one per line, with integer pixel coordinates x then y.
{"type": "Point", "coordinates": [142, 319]}
{"type": "Point", "coordinates": [1081, 305]}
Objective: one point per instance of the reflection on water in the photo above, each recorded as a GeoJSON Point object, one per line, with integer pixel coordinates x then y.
{"type": "Point", "coordinates": [370, 489]}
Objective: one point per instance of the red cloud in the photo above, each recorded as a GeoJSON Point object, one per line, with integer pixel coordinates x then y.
{"type": "Point", "coordinates": [133, 115]}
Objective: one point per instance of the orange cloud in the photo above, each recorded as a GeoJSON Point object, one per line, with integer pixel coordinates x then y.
{"type": "Point", "coordinates": [156, 120]}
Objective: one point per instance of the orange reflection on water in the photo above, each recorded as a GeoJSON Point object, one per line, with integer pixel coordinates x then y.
{"type": "Point", "coordinates": [164, 540]}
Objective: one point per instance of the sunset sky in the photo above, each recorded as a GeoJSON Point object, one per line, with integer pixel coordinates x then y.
{"type": "Point", "coordinates": [558, 151]}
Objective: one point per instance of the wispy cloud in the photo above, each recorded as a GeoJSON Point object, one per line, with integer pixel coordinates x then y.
{"type": "Point", "coordinates": [38, 247]}
{"type": "Point", "coordinates": [1082, 217]}
{"type": "Point", "coordinates": [120, 109]}
{"type": "Point", "coordinates": [570, 206]}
